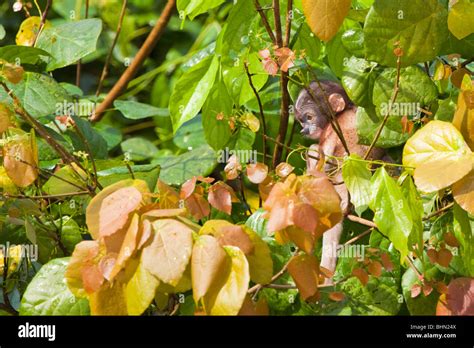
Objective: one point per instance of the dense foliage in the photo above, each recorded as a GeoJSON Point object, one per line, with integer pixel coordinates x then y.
{"type": "Point", "coordinates": [151, 162]}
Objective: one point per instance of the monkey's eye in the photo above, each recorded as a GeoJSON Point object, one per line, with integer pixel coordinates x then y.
{"type": "Point", "coordinates": [309, 117]}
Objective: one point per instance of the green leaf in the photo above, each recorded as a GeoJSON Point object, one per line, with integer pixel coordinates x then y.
{"type": "Point", "coordinates": [69, 42]}
{"type": "Point", "coordinates": [176, 170]}
{"type": "Point", "coordinates": [418, 26]}
{"type": "Point", "coordinates": [48, 294]}
{"type": "Point", "coordinates": [235, 37]}
{"type": "Point", "coordinates": [237, 81]}
{"type": "Point", "coordinates": [147, 172]}
{"type": "Point", "coordinates": [337, 54]}
{"type": "Point", "coordinates": [39, 94]}
{"type": "Point", "coordinates": [416, 208]}
{"type": "Point", "coordinates": [216, 129]}
{"type": "Point", "coordinates": [191, 91]}
{"type": "Point", "coordinates": [353, 41]}
{"type": "Point", "coordinates": [193, 8]}
{"type": "Point", "coordinates": [87, 138]}
{"type": "Point", "coordinates": [464, 47]}
{"type": "Point", "coordinates": [63, 180]}
{"type": "Point", "coordinates": [420, 305]}
{"type": "Point", "coordinates": [22, 55]}
{"type": "Point", "coordinates": [2, 32]}
{"type": "Point", "coordinates": [416, 90]}
{"type": "Point", "coordinates": [138, 149]}
{"type": "Point", "coordinates": [460, 19]}
{"type": "Point", "coordinates": [357, 177]}
{"type": "Point", "coordinates": [368, 122]}
{"type": "Point", "coordinates": [307, 41]}
{"type": "Point", "coordinates": [392, 212]}
{"type": "Point", "coordinates": [358, 77]}
{"type": "Point", "coordinates": [464, 233]}
{"type": "Point", "coordinates": [136, 111]}
{"type": "Point", "coordinates": [190, 135]}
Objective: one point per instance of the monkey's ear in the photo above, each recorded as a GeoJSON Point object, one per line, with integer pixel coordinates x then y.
{"type": "Point", "coordinates": [337, 102]}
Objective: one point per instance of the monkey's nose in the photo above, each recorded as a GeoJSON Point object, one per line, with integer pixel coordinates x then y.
{"type": "Point", "coordinates": [305, 131]}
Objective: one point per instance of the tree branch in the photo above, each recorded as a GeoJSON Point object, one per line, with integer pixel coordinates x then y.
{"type": "Point", "coordinates": [137, 62]}
{"type": "Point", "coordinates": [265, 22]}
{"type": "Point", "coordinates": [105, 70]}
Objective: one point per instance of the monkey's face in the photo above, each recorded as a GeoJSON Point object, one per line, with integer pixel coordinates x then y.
{"type": "Point", "coordinates": [312, 126]}
{"type": "Point", "coordinates": [312, 110]}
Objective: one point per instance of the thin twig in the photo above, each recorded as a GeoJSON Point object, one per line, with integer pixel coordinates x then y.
{"type": "Point", "coordinates": [439, 211]}
{"type": "Point", "coordinates": [260, 107]}
{"type": "Point", "coordinates": [385, 119]}
{"type": "Point", "coordinates": [265, 22]}
{"type": "Point", "coordinates": [79, 62]}
{"type": "Point", "coordinates": [276, 276]}
{"type": "Point", "coordinates": [359, 236]}
{"type": "Point", "coordinates": [105, 70]}
{"type": "Point", "coordinates": [137, 62]}
{"type": "Point", "coordinates": [61, 195]}
{"type": "Point", "coordinates": [362, 221]}
{"type": "Point", "coordinates": [43, 20]}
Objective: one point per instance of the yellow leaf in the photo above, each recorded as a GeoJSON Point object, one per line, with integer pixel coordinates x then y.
{"type": "Point", "coordinates": [6, 115]}
{"type": "Point", "coordinates": [260, 260]}
{"type": "Point", "coordinates": [20, 160]}
{"type": "Point", "coordinates": [109, 300]}
{"type": "Point", "coordinates": [184, 283]}
{"type": "Point", "coordinates": [140, 290]}
{"type": "Point", "coordinates": [325, 17]}
{"type": "Point", "coordinates": [434, 176]}
{"type": "Point", "coordinates": [432, 150]}
{"type": "Point", "coordinates": [437, 140]}
{"type": "Point", "coordinates": [304, 269]}
{"type": "Point", "coordinates": [229, 298]}
{"type": "Point", "coordinates": [13, 73]}
{"type": "Point", "coordinates": [209, 261]}
{"type": "Point", "coordinates": [111, 209]}
{"type": "Point", "coordinates": [6, 184]}
{"type": "Point", "coordinates": [28, 30]}
{"type": "Point", "coordinates": [167, 256]}
{"type": "Point", "coordinates": [464, 116]}
{"type": "Point", "coordinates": [460, 19]}
{"type": "Point", "coordinates": [214, 227]}
{"type": "Point", "coordinates": [463, 192]}
{"type": "Point", "coordinates": [251, 121]}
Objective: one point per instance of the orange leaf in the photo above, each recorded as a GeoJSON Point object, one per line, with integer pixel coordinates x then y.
{"type": "Point", "coordinates": [451, 240]}
{"type": "Point", "coordinates": [375, 268]}
{"type": "Point", "coordinates": [21, 160]}
{"type": "Point", "coordinates": [337, 296]}
{"type": "Point", "coordinates": [110, 210]}
{"type": "Point", "coordinates": [361, 275]}
{"type": "Point", "coordinates": [235, 236]}
{"type": "Point", "coordinates": [284, 169]}
{"type": "Point", "coordinates": [220, 197]}
{"type": "Point", "coordinates": [444, 257]}
{"type": "Point", "coordinates": [432, 255]}
{"type": "Point", "coordinates": [460, 297]}
{"type": "Point", "coordinates": [197, 206]}
{"type": "Point", "coordinates": [304, 269]}
{"type": "Point", "coordinates": [254, 308]}
{"type": "Point", "coordinates": [209, 261]}
{"type": "Point", "coordinates": [168, 197]}
{"type": "Point", "coordinates": [187, 188]}
{"type": "Point", "coordinates": [257, 172]}
{"type": "Point", "coordinates": [387, 262]}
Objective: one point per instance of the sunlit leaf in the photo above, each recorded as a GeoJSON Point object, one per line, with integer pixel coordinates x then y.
{"type": "Point", "coordinates": [167, 256]}
{"type": "Point", "coordinates": [325, 16]}
{"type": "Point", "coordinates": [304, 269]}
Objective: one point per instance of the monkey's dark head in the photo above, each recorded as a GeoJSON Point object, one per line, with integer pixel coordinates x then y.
{"type": "Point", "coordinates": [311, 109]}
